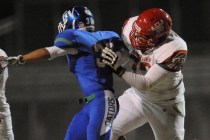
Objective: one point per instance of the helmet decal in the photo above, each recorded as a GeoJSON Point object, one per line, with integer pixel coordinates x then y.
{"type": "Point", "coordinates": [79, 17]}
{"type": "Point", "coordinates": [158, 26]}
{"type": "Point", "coordinates": [67, 14]}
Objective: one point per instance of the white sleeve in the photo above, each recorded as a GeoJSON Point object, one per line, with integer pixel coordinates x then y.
{"type": "Point", "coordinates": [56, 51]}
{"type": "Point", "coordinates": [145, 82]}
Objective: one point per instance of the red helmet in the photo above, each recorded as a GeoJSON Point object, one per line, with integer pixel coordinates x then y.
{"type": "Point", "coordinates": [151, 27]}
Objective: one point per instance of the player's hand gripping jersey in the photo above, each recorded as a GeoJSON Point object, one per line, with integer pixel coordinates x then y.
{"type": "Point", "coordinates": [162, 64]}
{"type": "Point", "coordinates": [85, 59]}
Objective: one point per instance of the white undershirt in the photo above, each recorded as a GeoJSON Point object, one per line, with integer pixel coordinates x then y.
{"type": "Point", "coordinates": [56, 51]}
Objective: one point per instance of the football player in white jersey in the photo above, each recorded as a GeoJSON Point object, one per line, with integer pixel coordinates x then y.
{"type": "Point", "coordinates": [156, 95]}
{"type": "Point", "coordinates": [6, 132]}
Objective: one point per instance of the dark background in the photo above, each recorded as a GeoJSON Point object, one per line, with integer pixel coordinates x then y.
{"type": "Point", "coordinates": [43, 95]}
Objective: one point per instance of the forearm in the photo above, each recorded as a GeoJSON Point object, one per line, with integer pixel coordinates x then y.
{"type": "Point", "coordinates": [37, 55]}
{"type": "Point", "coordinates": [144, 82]}
{"type": "Point", "coordinates": [138, 81]}
{"type": "Point", "coordinates": [47, 53]}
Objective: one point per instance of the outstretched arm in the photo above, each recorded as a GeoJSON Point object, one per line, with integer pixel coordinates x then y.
{"type": "Point", "coordinates": [155, 75]}
{"type": "Point", "coordinates": [37, 55]}
{"type": "Point", "coordinates": [47, 53]}
{"type": "Point", "coordinates": [141, 82]}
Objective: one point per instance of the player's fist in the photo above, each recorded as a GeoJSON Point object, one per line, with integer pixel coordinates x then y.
{"type": "Point", "coordinates": [12, 60]}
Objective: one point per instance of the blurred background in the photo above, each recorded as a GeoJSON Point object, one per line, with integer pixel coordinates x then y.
{"type": "Point", "coordinates": [43, 96]}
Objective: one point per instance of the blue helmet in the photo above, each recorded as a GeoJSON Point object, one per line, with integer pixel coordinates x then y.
{"type": "Point", "coordinates": [79, 18]}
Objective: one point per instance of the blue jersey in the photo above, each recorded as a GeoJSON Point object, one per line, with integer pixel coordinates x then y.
{"type": "Point", "coordinates": [92, 75]}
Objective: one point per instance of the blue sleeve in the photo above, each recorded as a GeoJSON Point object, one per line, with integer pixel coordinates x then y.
{"type": "Point", "coordinates": [118, 44]}
{"type": "Point", "coordinates": [111, 36]}
{"type": "Point", "coordinates": [65, 39]}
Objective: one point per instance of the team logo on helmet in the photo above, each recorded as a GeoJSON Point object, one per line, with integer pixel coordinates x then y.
{"type": "Point", "coordinates": [79, 18]}
{"type": "Point", "coordinates": [158, 26]}
{"type": "Point", "coordinates": [67, 14]}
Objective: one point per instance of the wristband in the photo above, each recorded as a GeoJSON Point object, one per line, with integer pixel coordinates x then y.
{"type": "Point", "coordinates": [21, 61]}
{"type": "Point", "coordinates": [120, 71]}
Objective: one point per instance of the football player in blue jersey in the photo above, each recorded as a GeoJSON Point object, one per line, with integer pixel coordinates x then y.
{"type": "Point", "coordinates": [82, 47]}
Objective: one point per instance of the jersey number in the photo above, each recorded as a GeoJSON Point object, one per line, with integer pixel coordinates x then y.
{"type": "Point", "coordinates": [98, 50]}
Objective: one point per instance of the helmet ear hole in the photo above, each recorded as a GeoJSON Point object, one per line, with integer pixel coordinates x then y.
{"type": "Point", "coordinates": [151, 42]}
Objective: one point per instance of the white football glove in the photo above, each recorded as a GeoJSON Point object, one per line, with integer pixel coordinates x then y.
{"type": "Point", "coordinates": [6, 61]}
{"type": "Point", "coordinates": [110, 58]}
{"type": "Point", "coordinates": [12, 60]}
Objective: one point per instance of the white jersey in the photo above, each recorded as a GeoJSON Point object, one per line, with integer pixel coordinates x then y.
{"type": "Point", "coordinates": [6, 132]}
{"type": "Point", "coordinates": [3, 79]}
{"type": "Point", "coordinates": [157, 90]}
{"type": "Point", "coordinates": [162, 78]}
